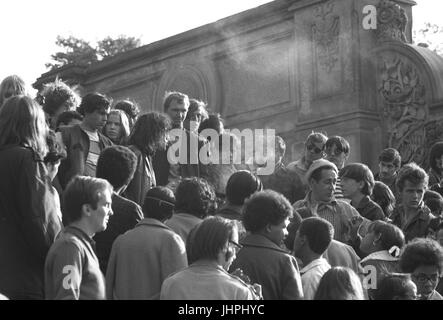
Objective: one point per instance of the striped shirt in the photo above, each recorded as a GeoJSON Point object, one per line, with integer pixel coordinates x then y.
{"type": "Point", "coordinates": [93, 153]}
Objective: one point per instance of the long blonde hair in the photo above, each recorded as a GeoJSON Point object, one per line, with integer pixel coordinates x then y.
{"type": "Point", "coordinates": [22, 121]}
{"type": "Point", "coordinates": [11, 86]}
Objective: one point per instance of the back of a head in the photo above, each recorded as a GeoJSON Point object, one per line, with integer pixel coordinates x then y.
{"type": "Point", "coordinates": [339, 283]}
{"type": "Point", "coordinates": [421, 252]}
{"type": "Point", "coordinates": [67, 116]}
{"type": "Point", "coordinates": [159, 203]}
{"type": "Point", "coordinates": [241, 185]}
{"type": "Point", "coordinates": [194, 196]}
{"type": "Point", "coordinates": [383, 195]}
{"type": "Point", "coordinates": [22, 121]}
{"type": "Point", "coordinates": [393, 286]}
{"type": "Point", "coordinates": [214, 121]}
{"type": "Point", "coordinates": [413, 173]}
{"type": "Point", "coordinates": [130, 108]}
{"type": "Point", "coordinates": [390, 155]}
{"type": "Point", "coordinates": [11, 86]}
{"type": "Point", "coordinates": [319, 233]}
{"type": "Point", "coordinates": [116, 164]}
{"type": "Point", "coordinates": [56, 94]}
{"type": "Point", "coordinates": [208, 238]}
{"type": "Point", "coordinates": [390, 235]}
{"type": "Point", "coordinates": [265, 208]}
{"type": "Point", "coordinates": [433, 200]}
{"type": "Point", "coordinates": [359, 172]}
{"type": "Point", "coordinates": [93, 102]}
{"type": "Point", "coordinates": [82, 190]}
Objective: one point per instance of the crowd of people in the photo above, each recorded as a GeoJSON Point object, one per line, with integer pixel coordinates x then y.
{"type": "Point", "coordinates": [92, 207]}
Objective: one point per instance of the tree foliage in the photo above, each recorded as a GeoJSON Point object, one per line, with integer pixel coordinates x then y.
{"type": "Point", "coordinates": [80, 52]}
{"type": "Point", "coordinates": [430, 35]}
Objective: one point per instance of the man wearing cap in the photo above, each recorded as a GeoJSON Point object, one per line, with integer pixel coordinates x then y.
{"type": "Point", "coordinates": [320, 201]}
{"type": "Point", "coordinates": [142, 258]}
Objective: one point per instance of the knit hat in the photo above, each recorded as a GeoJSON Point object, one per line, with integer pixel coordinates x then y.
{"type": "Point", "coordinates": [318, 164]}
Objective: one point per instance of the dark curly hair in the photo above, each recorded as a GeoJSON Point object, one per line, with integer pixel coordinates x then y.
{"type": "Point", "coordinates": [194, 196]}
{"type": "Point", "coordinates": [149, 132]}
{"type": "Point", "coordinates": [263, 208]}
{"type": "Point", "coordinates": [421, 252]}
{"type": "Point", "coordinates": [57, 94]}
{"type": "Point", "coordinates": [92, 102]}
{"type": "Point", "coordinates": [116, 164]}
{"type": "Point", "coordinates": [129, 107]}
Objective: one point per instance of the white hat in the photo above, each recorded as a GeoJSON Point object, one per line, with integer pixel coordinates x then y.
{"type": "Point", "coordinates": [318, 164]}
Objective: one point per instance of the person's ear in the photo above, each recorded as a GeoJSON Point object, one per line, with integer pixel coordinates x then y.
{"type": "Point", "coordinates": [229, 253]}
{"type": "Point", "coordinates": [86, 210]}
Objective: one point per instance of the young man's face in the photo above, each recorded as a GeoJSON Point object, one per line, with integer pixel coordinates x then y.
{"type": "Point", "coordinates": [336, 156]}
{"type": "Point", "coordinates": [387, 169]}
{"type": "Point", "coordinates": [323, 190]}
{"type": "Point", "coordinates": [177, 112]}
{"type": "Point", "coordinates": [426, 278]}
{"type": "Point", "coordinates": [314, 151]}
{"type": "Point", "coordinates": [97, 119]}
{"type": "Point", "coordinates": [412, 194]}
{"type": "Point", "coordinates": [100, 216]}
{"type": "Point", "coordinates": [278, 233]}
{"type": "Point", "coordinates": [350, 187]}
{"type": "Point", "coordinates": [192, 123]}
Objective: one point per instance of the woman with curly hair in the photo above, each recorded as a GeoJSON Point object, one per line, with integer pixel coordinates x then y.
{"type": "Point", "coordinates": [148, 135]}
{"type": "Point", "coordinates": [28, 214]}
{"type": "Point", "coordinates": [423, 259]}
{"type": "Point", "coordinates": [117, 127]}
{"type": "Point", "coordinates": [11, 86]}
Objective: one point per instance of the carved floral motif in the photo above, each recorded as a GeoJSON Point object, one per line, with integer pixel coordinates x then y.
{"type": "Point", "coordinates": [325, 35]}
{"type": "Point", "coordinates": [405, 110]}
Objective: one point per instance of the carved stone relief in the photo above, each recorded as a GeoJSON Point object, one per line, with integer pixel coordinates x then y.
{"type": "Point", "coordinates": [325, 35]}
{"type": "Point", "coordinates": [405, 110]}
{"type": "Point", "coordinates": [391, 22]}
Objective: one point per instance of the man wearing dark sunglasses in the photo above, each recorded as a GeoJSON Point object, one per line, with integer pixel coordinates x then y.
{"type": "Point", "coordinates": [337, 151]}
{"type": "Point", "coordinates": [314, 150]}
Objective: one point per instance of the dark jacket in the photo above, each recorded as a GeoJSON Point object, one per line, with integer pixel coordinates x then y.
{"type": "Point", "coordinates": [144, 177]}
{"type": "Point", "coordinates": [270, 266]}
{"type": "Point", "coordinates": [286, 182]}
{"type": "Point", "coordinates": [162, 166]}
{"type": "Point", "coordinates": [28, 222]}
{"type": "Point", "coordinates": [369, 209]}
{"type": "Point", "coordinates": [418, 226]}
{"type": "Point", "coordinates": [126, 216]}
{"type": "Point", "coordinates": [77, 148]}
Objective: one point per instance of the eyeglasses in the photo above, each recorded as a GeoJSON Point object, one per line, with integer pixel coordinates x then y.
{"type": "Point", "coordinates": [315, 149]}
{"type": "Point", "coordinates": [421, 277]}
{"type": "Point", "coordinates": [236, 245]}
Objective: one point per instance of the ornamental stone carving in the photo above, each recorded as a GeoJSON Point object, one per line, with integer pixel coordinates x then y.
{"type": "Point", "coordinates": [405, 111]}
{"type": "Point", "coordinates": [326, 36]}
{"type": "Point", "coordinates": [391, 22]}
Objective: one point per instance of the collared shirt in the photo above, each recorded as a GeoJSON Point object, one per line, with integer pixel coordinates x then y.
{"type": "Point", "coordinates": [311, 275]}
{"type": "Point", "coordinates": [417, 226]}
{"type": "Point", "coordinates": [337, 212]}
{"type": "Point", "coordinates": [369, 209]}
{"type": "Point", "coordinates": [72, 269]}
